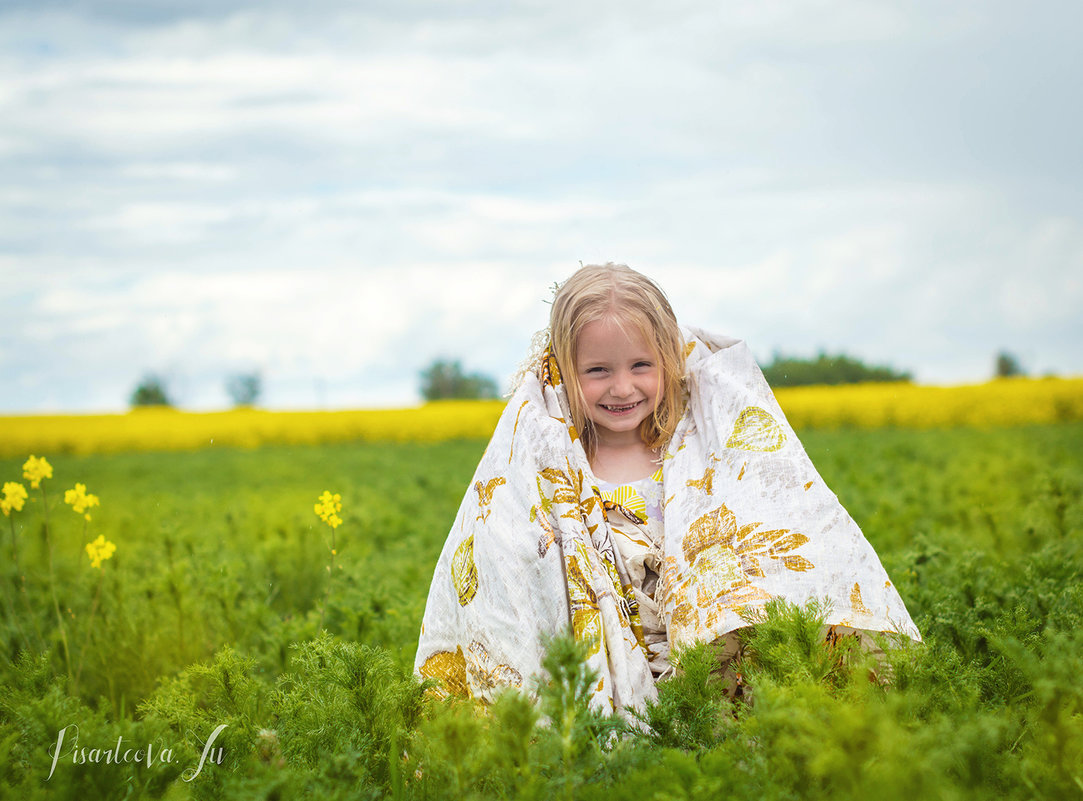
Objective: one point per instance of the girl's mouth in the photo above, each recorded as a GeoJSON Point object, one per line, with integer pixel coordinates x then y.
{"type": "Point", "coordinates": [624, 409]}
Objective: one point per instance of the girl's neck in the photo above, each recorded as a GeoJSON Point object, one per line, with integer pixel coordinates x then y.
{"type": "Point", "coordinates": [623, 462]}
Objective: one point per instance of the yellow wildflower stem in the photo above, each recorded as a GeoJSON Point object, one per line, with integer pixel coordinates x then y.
{"type": "Point", "coordinates": [330, 578]}
{"type": "Point", "coordinates": [20, 582]}
{"type": "Point", "coordinates": [14, 545]}
{"type": "Point", "coordinates": [52, 583]}
{"type": "Point", "coordinates": [86, 634]}
{"type": "Point", "coordinates": [9, 604]}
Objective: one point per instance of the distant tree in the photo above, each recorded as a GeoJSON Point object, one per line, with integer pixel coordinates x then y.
{"type": "Point", "coordinates": [244, 389]}
{"type": "Point", "coordinates": [445, 379]}
{"type": "Point", "coordinates": [1007, 365]}
{"type": "Point", "coordinates": [790, 371]}
{"type": "Point", "coordinates": [150, 391]}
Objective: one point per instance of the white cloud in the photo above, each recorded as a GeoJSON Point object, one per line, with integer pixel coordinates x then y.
{"type": "Point", "coordinates": [344, 195]}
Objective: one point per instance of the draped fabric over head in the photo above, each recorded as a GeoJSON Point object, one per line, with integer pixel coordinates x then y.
{"type": "Point", "coordinates": [747, 519]}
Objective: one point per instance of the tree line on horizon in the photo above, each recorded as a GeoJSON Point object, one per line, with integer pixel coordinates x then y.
{"type": "Point", "coordinates": [446, 379]}
{"type": "Point", "coordinates": [244, 389]}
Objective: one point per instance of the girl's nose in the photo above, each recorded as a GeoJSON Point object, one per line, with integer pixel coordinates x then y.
{"type": "Point", "coordinates": [622, 385]}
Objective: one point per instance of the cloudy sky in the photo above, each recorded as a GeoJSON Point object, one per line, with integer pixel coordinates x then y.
{"type": "Point", "coordinates": [334, 193]}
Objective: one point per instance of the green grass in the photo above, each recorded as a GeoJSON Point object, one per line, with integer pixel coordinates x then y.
{"type": "Point", "coordinates": [209, 613]}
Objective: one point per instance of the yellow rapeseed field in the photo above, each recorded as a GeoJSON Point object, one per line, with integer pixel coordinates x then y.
{"type": "Point", "coordinates": [1003, 402]}
{"type": "Point", "coordinates": [165, 429]}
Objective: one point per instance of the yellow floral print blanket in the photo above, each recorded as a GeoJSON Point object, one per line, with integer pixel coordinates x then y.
{"type": "Point", "coordinates": [747, 519]}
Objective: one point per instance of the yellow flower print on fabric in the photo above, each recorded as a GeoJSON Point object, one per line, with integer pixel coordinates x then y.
{"type": "Point", "coordinates": [449, 669]}
{"type": "Point", "coordinates": [485, 492]}
{"type": "Point", "coordinates": [719, 570]}
{"type": "Point", "coordinates": [756, 430]}
{"type": "Point", "coordinates": [552, 370]}
{"type": "Point", "coordinates": [484, 674]}
{"type": "Point", "coordinates": [724, 557]}
{"type": "Point", "coordinates": [587, 627]}
{"type": "Point", "coordinates": [547, 536]}
{"type": "Point", "coordinates": [750, 546]}
{"type": "Point", "coordinates": [568, 488]}
{"type": "Point", "coordinates": [856, 601]}
{"type": "Point", "coordinates": [627, 497]}
{"type": "Point", "coordinates": [464, 572]}
{"type": "Point", "coordinates": [511, 449]}
{"type": "Point", "coordinates": [582, 600]}
{"type": "Point", "coordinates": [704, 483]}
{"type": "Point", "coordinates": [746, 601]}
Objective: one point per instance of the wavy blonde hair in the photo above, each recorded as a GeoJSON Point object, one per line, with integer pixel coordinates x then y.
{"type": "Point", "coordinates": [617, 292]}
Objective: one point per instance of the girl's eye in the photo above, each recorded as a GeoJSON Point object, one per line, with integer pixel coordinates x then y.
{"type": "Point", "coordinates": [641, 364]}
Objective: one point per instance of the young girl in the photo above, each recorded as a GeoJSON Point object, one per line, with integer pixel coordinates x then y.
{"type": "Point", "coordinates": [642, 485]}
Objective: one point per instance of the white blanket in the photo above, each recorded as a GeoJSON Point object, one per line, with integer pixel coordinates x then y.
{"type": "Point", "coordinates": [747, 519]}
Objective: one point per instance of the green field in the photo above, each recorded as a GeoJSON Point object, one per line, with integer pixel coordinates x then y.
{"type": "Point", "coordinates": [209, 613]}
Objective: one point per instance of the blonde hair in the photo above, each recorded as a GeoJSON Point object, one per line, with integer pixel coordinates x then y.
{"type": "Point", "coordinates": [617, 292]}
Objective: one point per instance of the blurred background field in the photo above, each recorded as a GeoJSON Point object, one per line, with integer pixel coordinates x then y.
{"type": "Point", "coordinates": [210, 611]}
{"type": "Point", "coordinates": [1002, 402]}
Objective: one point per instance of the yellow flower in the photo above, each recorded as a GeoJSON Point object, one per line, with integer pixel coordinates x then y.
{"type": "Point", "coordinates": [35, 470]}
{"type": "Point", "coordinates": [14, 495]}
{"type": "Point", "coordinates": [79, 500]}
{"type": "Point", "coordinates": [327, 507]}
{"type": "Point", "coordinates": [99, 550]}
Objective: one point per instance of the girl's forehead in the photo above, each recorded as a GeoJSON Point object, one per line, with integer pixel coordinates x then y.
{"type": "Point", "coordinates": [611, 335]}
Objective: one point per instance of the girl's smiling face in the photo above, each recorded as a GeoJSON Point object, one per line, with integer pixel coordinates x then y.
{"type": "Point", "coordinates": [619, 377]}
